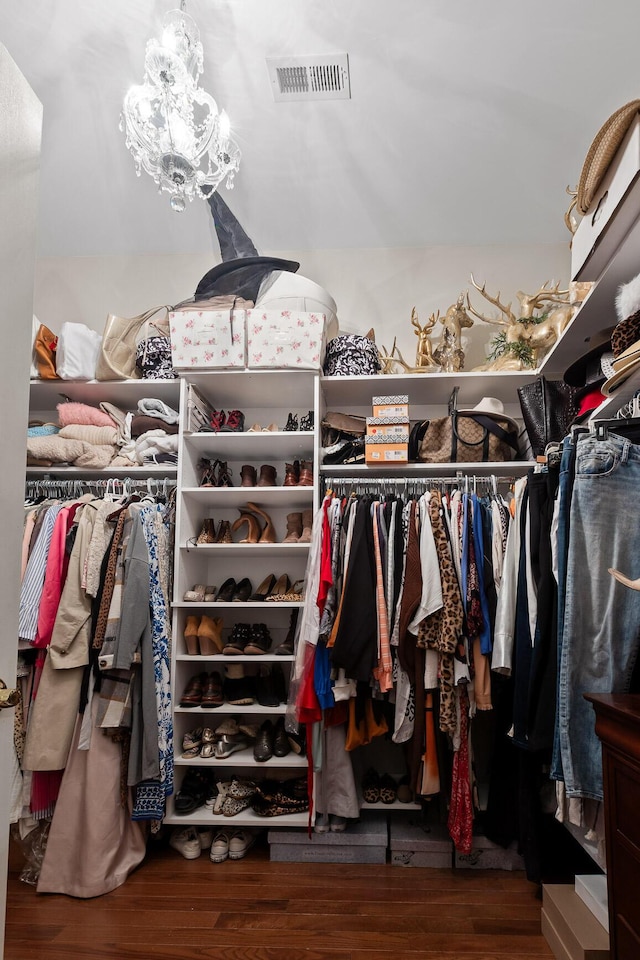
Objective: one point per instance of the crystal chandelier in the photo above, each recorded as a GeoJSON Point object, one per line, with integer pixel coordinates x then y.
{"type": "Point", "coordinates": [172, 126]}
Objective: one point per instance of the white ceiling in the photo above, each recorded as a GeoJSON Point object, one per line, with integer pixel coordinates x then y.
{"type": "Point", "coordinates": [467, 119]}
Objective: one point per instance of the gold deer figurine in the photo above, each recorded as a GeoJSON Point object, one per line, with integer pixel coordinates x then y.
{"type": "Point", "coordinates": [449, 353]}
{"type": "Point", "coordinates": [528, 337]}
{"type": "Point", "coordinates": [425, 362]}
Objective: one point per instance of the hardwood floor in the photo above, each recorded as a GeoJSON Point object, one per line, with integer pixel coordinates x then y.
{"type": "Point", "coordinates": [253, 909]}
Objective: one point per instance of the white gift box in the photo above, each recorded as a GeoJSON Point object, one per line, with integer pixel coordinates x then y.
{"type": "Point", "coordinates": [285, 339]}
{"type": "Point", "coordinates": [207, 339]}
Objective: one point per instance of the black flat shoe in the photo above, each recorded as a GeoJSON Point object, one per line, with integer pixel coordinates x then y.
{"type": "Point", "coordinates": [227, 590]}
{"type": "Point", "coordinates": [243, 590]}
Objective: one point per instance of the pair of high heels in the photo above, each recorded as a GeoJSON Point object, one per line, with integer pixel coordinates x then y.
{"type": "Point", "coordinates": [255, 533]}
{"type": "Point", "coordinates": [304, 423]}
{"type": "Point", "coordinates": [203, 636]}
{"type": "Point", "coordinates": [214, 473]}
{"type": "Point", "coordinates": [210, 534]}
{"type": "Point", "coordinates": [272, 588]}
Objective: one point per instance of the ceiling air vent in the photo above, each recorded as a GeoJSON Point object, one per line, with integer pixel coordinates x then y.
{"type": "Point", "coordinates": [310, 78]}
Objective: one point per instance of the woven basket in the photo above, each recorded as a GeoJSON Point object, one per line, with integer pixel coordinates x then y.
{"type": "Point", "coordinates": [601, 153]}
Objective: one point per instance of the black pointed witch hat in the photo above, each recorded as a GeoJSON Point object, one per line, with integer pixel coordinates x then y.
{"type": "Point", "coordinates": [242, 269]}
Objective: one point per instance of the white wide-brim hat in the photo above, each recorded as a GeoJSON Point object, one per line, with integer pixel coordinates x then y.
{"type": "Point", "coordinates": [492, 407]}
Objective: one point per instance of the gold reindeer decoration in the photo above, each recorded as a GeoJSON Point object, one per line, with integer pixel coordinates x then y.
{"type": "Point", "coordinates": [425, 362]}
{"type": "Point", "coordinates": [449, 353]}
{"type": "Point", "coordinates": [528, 337]}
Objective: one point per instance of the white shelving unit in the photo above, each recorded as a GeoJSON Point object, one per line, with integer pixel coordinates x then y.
{"type": "Point", "coordinates": [264, 398]}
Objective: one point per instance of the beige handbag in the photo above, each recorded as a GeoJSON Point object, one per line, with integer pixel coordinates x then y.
{"type": "Point", "coordinates": [117, 358]}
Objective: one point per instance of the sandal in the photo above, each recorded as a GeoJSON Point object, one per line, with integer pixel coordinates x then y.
{"type": "Point", "coordinates": [388, 790]}
{"type": "Point", "coordinates": [196, 594]}
{"type": "Point", "coordinates": [371, 786]}
{"type": "Point", "coordinates": [191, 743]}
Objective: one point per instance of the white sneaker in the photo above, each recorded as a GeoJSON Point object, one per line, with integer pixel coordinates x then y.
{"type": "Point", "coordinates": [240, 841]}
{"type": "Point", "coordinates": [187, 842]}
{"type": "Point", "coordinates": [205, 835]}
{"type": "Point", "coordinates": [219, 847]}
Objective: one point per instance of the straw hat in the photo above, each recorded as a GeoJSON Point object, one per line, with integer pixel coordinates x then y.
{"type": "Point", "coordinates": [601, 153]}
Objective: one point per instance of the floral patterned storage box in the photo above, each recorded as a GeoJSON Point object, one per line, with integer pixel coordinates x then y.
{"type": "Point", "coordinates": [207, 339]}
{"type": "Point", "coordinates": [285, 339]}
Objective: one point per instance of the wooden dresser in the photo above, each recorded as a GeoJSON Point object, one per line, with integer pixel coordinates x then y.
{"type": "Point", "coordinates": [618, 727]}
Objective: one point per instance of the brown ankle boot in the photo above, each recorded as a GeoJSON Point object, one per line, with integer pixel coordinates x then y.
{"type": "Point", "coordinates": [224, 532]}
{"type": "Point", "coordinates": [291, 474]}
{"type": "Point", "coordinates": [253, 527]}
{"type": "Point", "coordinates": [267, 476]}
{"type": "Point", "coordinates": [191, 635]}
{"type": "Point", "coordinates": [210, 636]}
{"type": "Point", "coordinates": [208, 532]}
{"type": "Point", "coordinates": [268, 534]}
{"type": "Point", "coordinates": [307, 525]}
{"type": "Point", "coordinates": [294, 528]}
{"type": "Point", "coordinates": [306, 474]}
{"type": "Point", "coordinates": [248, 476]}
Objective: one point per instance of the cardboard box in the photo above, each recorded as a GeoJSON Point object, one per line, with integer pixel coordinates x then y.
{"type": "Point", "coordinates": [393, 406]}
{"type": "Point", "coordinates": [569, 927]}
{"type": "Point", "coordinates": [387, 427]}
{"type": "Point", "coordinates": [415, 844]}
{"type": "Point", "coordinates": [285, 340]}
{"type": "Point", "coordinates": [362, 842]}
{"type": "Point", "coordinates": [486, 855]}
{"type": "Point", "coordinates": [207, 339]}
{"type": "Point", "coordinates": [381, 449]}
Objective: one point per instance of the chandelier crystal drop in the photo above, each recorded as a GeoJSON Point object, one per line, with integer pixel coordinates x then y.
{"type": "Point", "coordinates": [172, 126]}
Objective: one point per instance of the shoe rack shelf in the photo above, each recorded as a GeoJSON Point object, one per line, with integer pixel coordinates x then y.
{"type": "Point", "coordinates": [247, 549]}
{"type": "Point", "coordinates": [227, 497]}
{"type": "Point", "coordinates": [205, 816]}
{"type": "Point", "coordinates": [233, 446]}
{"type": "Point", "coordinates": [236, 658]}
{"type": "Point", "coordinates": [231, 708]}
{"type": "Point", "coordinates": [237, 606]}
{"type": "Point", "coordinates": [244, 758]}
{"type": "Point", "coordinates": [264, 398]}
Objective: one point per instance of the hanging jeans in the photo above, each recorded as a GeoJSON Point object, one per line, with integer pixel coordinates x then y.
{"type": "Point", "coordinates": [602, 617]}
{"type": "Point", "coordinates": [565, 492]}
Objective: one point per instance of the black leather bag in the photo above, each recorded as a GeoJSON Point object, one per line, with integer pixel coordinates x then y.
{"type": "Point", "coordinates": [548, 410]}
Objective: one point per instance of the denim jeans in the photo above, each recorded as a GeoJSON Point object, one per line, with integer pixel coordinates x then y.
{"type": "Point", "coordinates": [602, 617]}
{"type": "Point", "coordinates": [565, 491]}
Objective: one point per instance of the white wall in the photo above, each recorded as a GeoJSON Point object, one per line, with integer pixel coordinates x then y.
{"type": "Point", "coordinates": [372, 287]}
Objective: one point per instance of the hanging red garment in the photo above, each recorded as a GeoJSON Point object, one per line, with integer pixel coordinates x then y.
{"type": "Point", "coordinates": [460, 822]}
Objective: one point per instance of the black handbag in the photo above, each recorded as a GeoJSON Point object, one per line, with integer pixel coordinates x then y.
{"type": "Point", "coordinates": [548, 410]}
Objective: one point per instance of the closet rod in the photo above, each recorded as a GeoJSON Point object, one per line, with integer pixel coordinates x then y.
{"type": "Point", "coordinates": [112, 485]}
{"type": "Point", "coordinates": [410, 483]}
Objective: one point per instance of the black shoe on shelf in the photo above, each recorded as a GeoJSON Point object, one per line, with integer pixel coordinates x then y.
{"type": "Point", "coordinates": [243, 590]}
{"type": "Point", "coordinates": [265, 688]}
{"type": "Point", "coordinates": [281, 745]}
{"type": "Point", "coordinates": [226, 591]}
{"type": "Point", "coordinates": [263, 747]}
